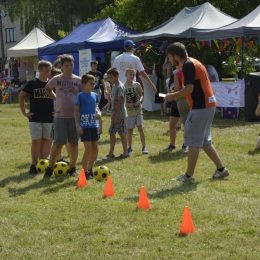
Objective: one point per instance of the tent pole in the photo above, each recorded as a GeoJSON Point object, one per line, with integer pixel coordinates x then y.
{"type": "Point", "coordinates": [191, 50]}
{"type": "Point", "coordinates": [242, 57]}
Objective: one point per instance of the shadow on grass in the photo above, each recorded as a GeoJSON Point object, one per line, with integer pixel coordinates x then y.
{"type": "Point", "coordinates": [43, 183]}
{"type": "Point", "coordinates": [167, 156]}
{"type": "Point", "coordinates": [254, 152]}
{"type": "Point", "coordinates": [24, 176]}
{"type": "Point", "coordinates": [183, 188]}
{"type": "Point", "coordinates": [222, 123]}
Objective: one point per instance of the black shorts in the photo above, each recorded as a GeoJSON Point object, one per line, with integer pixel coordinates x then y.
{"type": "Point", "coordinates": [89, 135]}
{"type": "Point", "coordinates": [174, 110]}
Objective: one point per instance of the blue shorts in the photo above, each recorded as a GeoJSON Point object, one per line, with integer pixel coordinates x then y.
{"type": "Point", "coordinates": [89, 135]}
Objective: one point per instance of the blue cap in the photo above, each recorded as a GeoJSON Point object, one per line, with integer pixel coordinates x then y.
{"type": "Point", "coordinates": [129, 44]}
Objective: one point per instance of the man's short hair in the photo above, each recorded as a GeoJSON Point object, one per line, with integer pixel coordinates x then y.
{"type": "Point", "coordinates": [113, 71]}
{"type": "Point", "coordinates": [178, 49]}
{"type": "Point", "coordinates": [55, 72]}
{"type": "Point", "coordinates": [66, 57]}
{"type": "Point", "coordinates": [43, 64]}
{"type": "Point", "coordinates": [86, 78]}
{"type": "Point", "coordinates": [130, 69]}
{"type": "Point", "coordinates": [93, 62]}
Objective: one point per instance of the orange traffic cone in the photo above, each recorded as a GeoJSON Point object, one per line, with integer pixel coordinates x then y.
{"type": "Point", "coordinates": [109, 190]}
{"type": "Point", "coordinates": [143, 199]}
{"type": "Point", "coordinates": [187, 223]}
{"type": "Point", "coordinates": [82, 182]}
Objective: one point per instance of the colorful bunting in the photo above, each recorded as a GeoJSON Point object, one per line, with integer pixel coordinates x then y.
{"type": "Point", "coordinates": [225, 41]}
{"type": "Point", "coordinates": [216, 43]}
{"type": "Point", "coordinates": [209, 43]}
{"type": "Point", "coordinates": [250, 44]}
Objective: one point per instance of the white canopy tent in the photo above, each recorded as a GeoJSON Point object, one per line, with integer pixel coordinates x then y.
{"type": "Point", "coordinates": [29, 45]}
{"type": "Point", "coordinates": [186, 23]}
{"type": "Point", "coordinates": [26, 52]}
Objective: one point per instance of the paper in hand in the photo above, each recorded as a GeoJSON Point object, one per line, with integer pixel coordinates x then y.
{"type": "Point", "coordinates": [162, 95]}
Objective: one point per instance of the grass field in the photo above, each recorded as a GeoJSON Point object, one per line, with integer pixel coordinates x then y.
{"type": "Point", "coordinates": [51, 219]}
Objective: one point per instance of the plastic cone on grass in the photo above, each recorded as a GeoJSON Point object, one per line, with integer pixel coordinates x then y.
{"type": "Point", "coordinates": [143, 199]}
{"type": "Point", "coordinates": [109, 190]}
{"type": "Point", "coordinates": [82, 182]}
{"type": "Point", "coordinates": [187, 223]}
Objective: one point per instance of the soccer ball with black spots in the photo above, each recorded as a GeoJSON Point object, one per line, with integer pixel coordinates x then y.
{"type": "Point", "coordinates": [101, 173]}
{"type": "Point", "coordinates": [61, 169]}
{"type": "Point", "coordinates": [41, 165]}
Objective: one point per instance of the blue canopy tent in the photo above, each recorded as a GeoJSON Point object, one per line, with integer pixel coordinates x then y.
{"type": "Point", "coordinates": [99, 36]}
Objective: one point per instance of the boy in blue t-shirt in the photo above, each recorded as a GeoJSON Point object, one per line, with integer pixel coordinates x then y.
{"type": "Point", "coordinates": [88, 122]}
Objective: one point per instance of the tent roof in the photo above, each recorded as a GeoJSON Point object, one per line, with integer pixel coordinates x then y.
{"type": "Point", "coordinates": [247, 26]}
{"type": "Point", "coordinates": [29, 45]}
{"type": "Point", "coordinates": [186, 22]}
{"type": "Point", "coordinates": [100, 35]}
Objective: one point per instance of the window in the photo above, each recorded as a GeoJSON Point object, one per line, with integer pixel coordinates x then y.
{"type": "Point", "coordinates": [10, 35]}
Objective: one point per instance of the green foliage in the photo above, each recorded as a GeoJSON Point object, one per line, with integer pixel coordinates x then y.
{"type": "Point", "coordinates": [53, 15]}
{"type": "Point", "coordinates": [62, 34]}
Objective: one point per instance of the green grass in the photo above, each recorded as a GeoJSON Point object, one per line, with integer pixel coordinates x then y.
{"type": "Point", "coordinates": [51, 219]}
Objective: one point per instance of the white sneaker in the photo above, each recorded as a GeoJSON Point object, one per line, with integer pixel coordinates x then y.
{"type": "Point", "coordinates": [220, 175]}
{"type": "Point", "coordinates": [144, 150]}
{"type": "Point", "coordinates": [183, 178]}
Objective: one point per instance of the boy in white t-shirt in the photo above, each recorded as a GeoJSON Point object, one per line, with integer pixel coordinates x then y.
{"type": "Point", "coordinates": [134, 97]}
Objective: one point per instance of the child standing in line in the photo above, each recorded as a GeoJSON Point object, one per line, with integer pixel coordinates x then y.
{"type": "Point", "coordinates": [118, 114]}
{"type": "Point", "coordinates": [67, 86]}
{"type": "Point", "coordinates": [87, 124]}
{"type": "Point", "coordinates": [40, 114]}
{"type": "Point", "coordinates": [134, 97]}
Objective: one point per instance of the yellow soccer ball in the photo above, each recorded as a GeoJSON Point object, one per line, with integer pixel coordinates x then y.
{"type": "Point", "coordinates": [61, 169]}
{"type": "Point", "coordinates": [41, 165]}
{"type": "Point", "coordinates": [101, 173]}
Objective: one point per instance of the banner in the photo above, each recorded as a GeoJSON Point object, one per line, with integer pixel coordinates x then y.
{"type": "Point", "coordinates": [84, 61]}
{"type": "Point", "coordinates": [229, 94]}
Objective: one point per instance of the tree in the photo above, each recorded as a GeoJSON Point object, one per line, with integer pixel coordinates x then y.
{"type": "Point", "coordinates": [53, 15]}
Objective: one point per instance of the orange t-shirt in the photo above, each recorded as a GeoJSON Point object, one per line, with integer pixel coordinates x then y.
{"type": "Point", "coordinates": [196, 74]}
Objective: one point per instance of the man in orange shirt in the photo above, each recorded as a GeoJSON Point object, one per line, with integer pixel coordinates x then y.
{"type": "Point", "coordinates": [198, 91]}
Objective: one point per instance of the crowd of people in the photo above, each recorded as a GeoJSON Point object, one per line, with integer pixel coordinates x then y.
{"type": "Point", "coordinates": [64, 106]}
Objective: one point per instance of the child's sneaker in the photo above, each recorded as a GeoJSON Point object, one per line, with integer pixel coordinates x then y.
{"type": "Point", "coordinates": [130, 150]}
{"type": "Point", "coordinates": [73, 172]}
{"type": "Point", "coordinates": [48, 172]}
{"type": "Point", "coordinates": [89, 174]}
{"type": "Point", "coordinates": [63, 160]}
{"type": "Point", "coordinates": [169, 148]}
{"type": "Point", "coordinates": [220, 175]}
{"type": "Point", "coordinates": [32, 170]}
{"type": "Point", "coordinates": [144, 150]}
{"type": "Point", "coordinates": [184, 148]}
{"type": "Point", "coordinates": [109, 157]}
{"type": "Point", "coordinates": [183, 178]}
